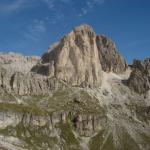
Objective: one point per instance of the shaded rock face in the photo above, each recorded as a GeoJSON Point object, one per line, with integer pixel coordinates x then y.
{"type": "Point", "coordinates": [80, 57]}
{"type": "Point", "coordinates": [110, 59]}
{"type": "Point", "coordinates": [139, 80]}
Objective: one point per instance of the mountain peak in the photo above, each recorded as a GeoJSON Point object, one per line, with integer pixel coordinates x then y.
{"type": "Point", "coordinates": [80, 57]}
{"type": "Point", "coordinates": [83, 28]}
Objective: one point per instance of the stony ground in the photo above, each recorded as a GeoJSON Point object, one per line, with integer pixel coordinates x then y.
{"type": "Point", "coordinates": [106, 118]}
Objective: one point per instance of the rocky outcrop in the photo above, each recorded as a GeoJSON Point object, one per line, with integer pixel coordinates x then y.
{"type": "Point", "coordinates": [83, 124]}
{"type": "Point", "coordinates": [88, 125]}
{"type": "Point", "coordinates": [110, 59]}
{"type": "Point", "coordinates": [15, 76]}
{"type": "Point", "coordinates": [14, 62]}
{"type": "Point", "coordinates": [74, 59]}
{"type": "Point", "coordinates": [139, 80]}
{"type": "Point", "coordinates": [79, 58]}
{"type": "Point", "coordinates": [28, 84]}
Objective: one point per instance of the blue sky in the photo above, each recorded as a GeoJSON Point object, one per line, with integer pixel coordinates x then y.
{"type": "Point", "coordinates": [30, 26]}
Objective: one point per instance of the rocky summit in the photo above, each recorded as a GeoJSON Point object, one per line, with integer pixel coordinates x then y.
{"type": "Point", "coordinates": [79, 58]}
{"type": "Point", "coordinates": [80, 95]}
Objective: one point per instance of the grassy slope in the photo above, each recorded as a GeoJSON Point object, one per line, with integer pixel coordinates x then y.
{"type": "Point", "coordinates": [80, 102]}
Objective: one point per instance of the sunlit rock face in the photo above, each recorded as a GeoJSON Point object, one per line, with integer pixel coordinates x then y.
{"type": "Point", "coordinates": [77, 60]}
{"type": "Point", "coordinates": [74, 59]}
{"type": "Point", "coordinates": [16, 78]}
{"type": "Point", "coordinates": [45, 108]}
{"type": "Point", "coordinates": [80, 57]}
{"type": "Point", "coordinates": [27, 84]}
{"type": "Point", "coordinates": [139, 80]}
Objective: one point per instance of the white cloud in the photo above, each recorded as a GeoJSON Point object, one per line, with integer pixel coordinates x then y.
{"type": "Point", "coordinates": [12, 6]}
{"type": "Point", "coordinates": [83, 12]}
{"type": "Point", "coordinates": [35, 30]}
{"type": "Point", "coordinates": [57, 14]}
{"type": "Point", "coordinates": [50, 3]}
{"type": "Point", "coordinates": [56, 8]}
{"type": "Point", "coordinates": [65, 1]}
{"type": "Point", "coordinates": [39, 26]}
{"type": "Point", "coordinates": [99, 1]}
{"type": "Point", "coordinates": [89, 5]}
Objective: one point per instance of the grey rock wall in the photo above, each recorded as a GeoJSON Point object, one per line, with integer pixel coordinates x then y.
{"type": "Point", "coordinates": [139, 80]}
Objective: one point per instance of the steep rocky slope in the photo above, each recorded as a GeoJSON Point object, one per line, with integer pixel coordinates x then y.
{"type": "Point", "coordinates": [81, 95]}
{"type": "Point", "coordinates": [77, 60]}
{"type": "Point", "coordinates": [80, 57]}
{"type": "Point", "coordinates": [106, 118]}
{"type": "Point", "coordinates": [74, 59]}
{"type": "Point", "coordinates": [139, 80]}
{"type": "Point", "coordinates": [15, 76]}
{"type": "Point", "coordinates": [110, 59]}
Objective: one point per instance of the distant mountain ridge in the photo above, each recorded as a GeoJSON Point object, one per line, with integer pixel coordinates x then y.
{"type": "Point", "coordinates": [17, 62]}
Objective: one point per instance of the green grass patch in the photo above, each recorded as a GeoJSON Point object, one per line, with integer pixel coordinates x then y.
{"type": "Point", "coordinates": [71, 143]}
{"type": "Point", "coordinates": [21, 108]}
{"type": "Point", "coordinates": [96, 141]}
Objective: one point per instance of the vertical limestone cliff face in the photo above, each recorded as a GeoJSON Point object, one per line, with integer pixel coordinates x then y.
{"type": "Point", "coordinates": [74, 59]}
{"type": "Point", "coordinates": [80, 57]}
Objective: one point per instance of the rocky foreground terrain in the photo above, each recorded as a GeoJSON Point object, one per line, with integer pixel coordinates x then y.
{"type": "Point", "coordinates": [80, 95]}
